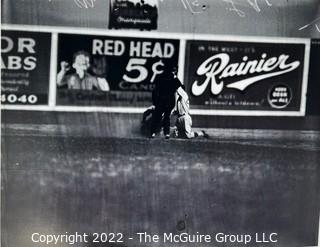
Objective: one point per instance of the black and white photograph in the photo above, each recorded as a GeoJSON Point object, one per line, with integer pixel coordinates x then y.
{"type": "Point", "coordinates": [160, 123]}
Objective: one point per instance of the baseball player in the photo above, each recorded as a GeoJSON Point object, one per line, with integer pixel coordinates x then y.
{"type": "Point", "coordinates": [184, 121]}
{"type": "Point", "coordinates": [163, 97]}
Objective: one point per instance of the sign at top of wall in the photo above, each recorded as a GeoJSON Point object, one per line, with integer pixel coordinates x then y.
{"type": "Point", "coordinates": [138, 14]}
{"type": "Point", "coordinates": [245, 75]}
{"type": "Point", "coordinates": [25, 67]}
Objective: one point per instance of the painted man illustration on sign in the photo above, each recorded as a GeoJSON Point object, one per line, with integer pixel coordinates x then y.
{"type": "Point", "coordinates": [81, 79]}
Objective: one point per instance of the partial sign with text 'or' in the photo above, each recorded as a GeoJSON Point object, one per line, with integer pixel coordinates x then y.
{"type": "Point", "coordinates": [25, 63]}
{"type": "Point", "coordinates": [245, 75]}
{"type": "Point", "coordinates": [110, 71]}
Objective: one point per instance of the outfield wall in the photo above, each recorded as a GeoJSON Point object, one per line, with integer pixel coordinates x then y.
{"type": "Point", "coordinates": [212, 42]}
{"type": "Point", "coordinates": [223, 75]}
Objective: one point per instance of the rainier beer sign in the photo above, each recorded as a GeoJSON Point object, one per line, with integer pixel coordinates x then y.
{"type": "Point", "coordinates": [244, 76]}
{"type": "Point", "coordinates": [218, 67]}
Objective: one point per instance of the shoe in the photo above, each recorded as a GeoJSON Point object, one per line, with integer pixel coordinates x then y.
{"type": "Point", "coordinates": [153, 135]}
{"type": "Point", "coordinates": [167, 136]}
{"type": "Point", "coordinates": [205, 134]}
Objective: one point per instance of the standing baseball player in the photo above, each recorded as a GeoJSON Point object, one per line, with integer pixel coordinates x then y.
{"type": "Point", "coordinates": [163, 97]}
{"type": "Point", "coordinates": [184, 121]}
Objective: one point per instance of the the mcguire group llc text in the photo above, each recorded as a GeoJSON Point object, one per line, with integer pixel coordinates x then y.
{"type": "Point", "coordinates": [144, 237]}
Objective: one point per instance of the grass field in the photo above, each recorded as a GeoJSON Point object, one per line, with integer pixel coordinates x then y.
{"type": "Point", "coordinates": [238, 182]}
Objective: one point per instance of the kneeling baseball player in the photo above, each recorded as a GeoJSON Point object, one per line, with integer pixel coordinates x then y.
{"type": "Point", "coordinates": [184, 121]}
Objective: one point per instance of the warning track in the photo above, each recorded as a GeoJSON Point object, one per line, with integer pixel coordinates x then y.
{"type": "Point", "coordinates": [58, 179]}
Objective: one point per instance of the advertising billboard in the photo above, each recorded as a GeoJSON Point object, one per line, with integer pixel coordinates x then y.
{"type": "Point", "coordinates": [25, 63]}
{"type": "Point", "coordinates": [110, 71]}
{"type": "Point", "coordinates": [313, 100]}
{"type": "Point", "coordinates": [249, 76]}
{"type": "Point", "coordinates": [138, 14]}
